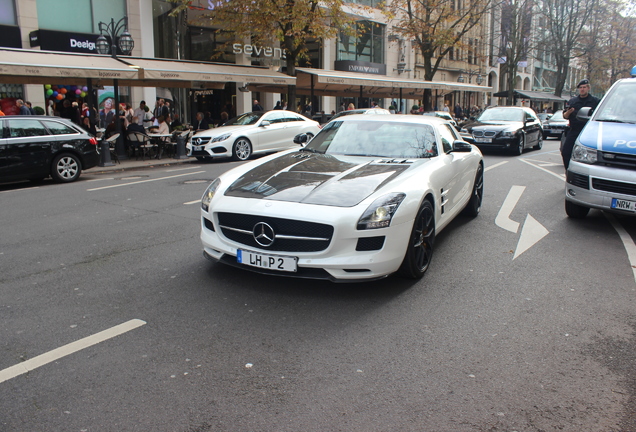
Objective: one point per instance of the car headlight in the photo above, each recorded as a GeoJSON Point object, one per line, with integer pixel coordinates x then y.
{"type": "Point", "coordinates": [209, 194]}
{"type": "Point", "coordinates": [380, 212]}
{"type": "Point", "coordinates": [584, 154]}
{"type": "Point", "coordinates": [221, 137]}
{"type": "Point", "coordinates": [509, 133]}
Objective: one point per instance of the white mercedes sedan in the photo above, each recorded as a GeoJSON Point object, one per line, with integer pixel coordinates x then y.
{"type": "Point", "coordinates": [251, 133]}
{"type": "Point", "coordinates": [363, 199]}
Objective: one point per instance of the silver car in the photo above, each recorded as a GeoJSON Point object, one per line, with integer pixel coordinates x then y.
{"type": "Point", "coordinates": [555, 125]}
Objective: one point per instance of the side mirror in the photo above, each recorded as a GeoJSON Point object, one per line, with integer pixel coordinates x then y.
{"type": "Point", "coordinates": [584, 113]}
{"type": "Point", "coordinates": [301, 139]}
{"type": "Point", "coordinates": [462, 146]}
{"type": "Point", "coordinates": [265, 123]}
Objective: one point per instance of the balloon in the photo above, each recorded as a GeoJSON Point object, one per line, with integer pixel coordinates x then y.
{"type": "Point", "coordinates": [63, 90]}
{"type": "Point", "coordinates": [49, 92]}
{"type": "Point", "coordinates": [47, 86]}
{"type": "Point", "coordinates": [54, 93]}
{"type": "Point", "coordinates": [83, 94]}
{"type": "Point", "coordinates": [73, 88]}
{"type": "Point", "coordinates": [59, 97]}
{"type": "Point", "coordinates": [85, 88]}
{"type": "Point", "coordinates": [78, 92]}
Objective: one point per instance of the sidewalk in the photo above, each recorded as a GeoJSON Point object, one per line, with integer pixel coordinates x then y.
{"type": "Point", "coordinates": [131, 164]}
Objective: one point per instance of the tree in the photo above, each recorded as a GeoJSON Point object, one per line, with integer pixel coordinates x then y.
{"type": "Point", "coordinates": [292, 23]}
{"type": "Point", "coordinates": [437, 27]}
{"type": "Point", "coordinates": [564, 23]}
{"type": "Point", "coordinates": [515, 42]}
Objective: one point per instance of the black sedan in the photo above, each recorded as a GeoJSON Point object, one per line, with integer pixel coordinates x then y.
{"type": "Point", "coordinates": [35, 147]}
{"type": "Point", "coordinates": [505, 128]}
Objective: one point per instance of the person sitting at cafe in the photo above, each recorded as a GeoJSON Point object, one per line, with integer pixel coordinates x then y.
{"type": "Point", "coordinates": [163, 126]}
{"type": "Point", "coordinates": [224, 118]}
{"type": "Point", "coordinates": [134, 126]}
{"type": "Point", "coordinates": [200, 123]}
{"type": "Point", "coordinates": [88, 126]}
{"type": "Point", "coordinates": [175, 123]}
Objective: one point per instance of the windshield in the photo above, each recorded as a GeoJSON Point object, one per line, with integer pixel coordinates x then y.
{"type": "Point", "coordinates": [249, 118]}
{"type": "Point", "coordinates": [375, 138]}
{"type": "Point", "coordinates": [502, 114]}
{"type": "Point", "coordinates": [557, 116]}
{"type": "Point", "coordinates": [619, 105]}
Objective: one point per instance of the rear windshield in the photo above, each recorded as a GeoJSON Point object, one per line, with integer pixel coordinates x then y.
{"type": "Point", "coordinates": [619, 105]}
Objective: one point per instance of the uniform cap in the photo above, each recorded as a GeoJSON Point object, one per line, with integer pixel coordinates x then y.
{"type": "Point", "coordinates": [583, 82]}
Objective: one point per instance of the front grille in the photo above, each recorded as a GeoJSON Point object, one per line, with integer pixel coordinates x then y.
{"type": "Point", "coordinates": [614, 186]}
{"type": "Point", "coordinates": [290, 235]}
{"type": "Point", "coordinates": [200, 140]}
{"type": "Point", "coordinates": [579, 180]}
{"type": "Point", "coordinates": [481, 133]}
{"type": "Point", "coordinates": [370, 243]}
{"type": "Point", "coordinates": [617, 160]}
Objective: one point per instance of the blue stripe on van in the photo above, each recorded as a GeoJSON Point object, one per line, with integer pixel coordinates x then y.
{"type": "Point", "coordinates": [609, 137]}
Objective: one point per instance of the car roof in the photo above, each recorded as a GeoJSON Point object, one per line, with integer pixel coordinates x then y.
{"type": "Point", "coordinates": [40, 117]}
{"type": "Point", "coordinates": [396, 118]}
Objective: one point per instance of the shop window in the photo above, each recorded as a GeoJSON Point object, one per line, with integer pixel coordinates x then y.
{"type": "Point", "coordinates": [368, 46]}
{"type": "Point", "coordinates": [7, 12]}
{"type": "Point", "coordinates": [85, 15]}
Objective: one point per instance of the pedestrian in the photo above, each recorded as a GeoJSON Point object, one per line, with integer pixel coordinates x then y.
{"type": "Point", "coordinates": [1, 113]}
{"type": "Point", "coordinates": [458, 111]}
{"type": "Point", "coordinates": [30, 106]}
{"type": "Point", "coordinates": [140, 112]}
{"type": "Point", "coordinates": [257, 106]}
{"type": "Point", "coordinates": [446, 109]}
{"type": "Point", "coordinates": [351, 106]}
{"type": "Point", "coordinates": [278, 106]}
{"type": "Point", "coordinates": [584, 99]}
{"type": "Point", "coordinates": [24, 110]}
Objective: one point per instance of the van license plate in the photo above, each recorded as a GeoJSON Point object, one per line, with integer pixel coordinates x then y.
{"type": "Point", "coordinates": [623, 204]}
{"type": "Point", "coordinates": [271, 262]}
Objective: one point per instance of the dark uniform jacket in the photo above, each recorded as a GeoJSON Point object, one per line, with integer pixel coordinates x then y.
{"type": "Point", "coordinates": [577, 103]}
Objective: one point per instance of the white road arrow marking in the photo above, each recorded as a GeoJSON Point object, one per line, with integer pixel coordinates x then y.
{"type": "Point", "coordinates": [503, 217]}
{"type": "Point", "coordinates": [531, 233]}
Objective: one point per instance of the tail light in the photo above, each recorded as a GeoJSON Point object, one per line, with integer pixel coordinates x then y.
{"type": "Point", "coordinates": [93, 140]}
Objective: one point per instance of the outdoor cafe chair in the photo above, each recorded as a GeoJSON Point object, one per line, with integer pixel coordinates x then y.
{"type": "Point", "coordinates": [111, 146]}
{"type": "Point", "coordinates": [141, 142]}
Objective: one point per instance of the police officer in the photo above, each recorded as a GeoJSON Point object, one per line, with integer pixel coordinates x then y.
{"type": "Point", "coordinates": [584, 99]}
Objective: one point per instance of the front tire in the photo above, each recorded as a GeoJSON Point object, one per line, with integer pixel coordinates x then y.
{"type": "Point", "coordinates": [66, 168]}
{"type": "Point", "coordinates": [576, 211]}
{"type": "Point", "coordinates": [539, 144]}
{"type": "Point", "coordinates": [419, 250]}
{"type": "Point", "coordinates": [474, 204]}
{"type": "Point", "coordinates": [242, 149]}
{"type": "Point", "coordinates": [521, 144]}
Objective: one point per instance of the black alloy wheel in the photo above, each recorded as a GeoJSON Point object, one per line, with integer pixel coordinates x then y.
{"type": "Point", "coordinates": [474, 204]}
{"type": "Point", "coordinates": [419, 250]}
{"type": "Point", "coordinates": [521, 144]}
{"type": "Point", "coordinates": [539, 144]}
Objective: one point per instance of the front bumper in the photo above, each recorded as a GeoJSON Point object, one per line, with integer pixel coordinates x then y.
{"type": "Point", "coordinates": [208, 150]}
{"type": "Point", "coordinates": [595, 186]}
{"type": "Point", "coordinates": [497, 143]}
{"type": "Point", "coordinates": [339, 262]}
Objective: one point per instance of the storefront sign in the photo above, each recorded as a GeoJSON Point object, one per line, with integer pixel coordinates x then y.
{"type": "Point", "coordinates": [260, 51]}
{"type": "Point", "coordinates": [360, 66]}
{"type": "Point", "coordinates": [11, 37]}
{"type": "Point", "coordinates": [50, 40]}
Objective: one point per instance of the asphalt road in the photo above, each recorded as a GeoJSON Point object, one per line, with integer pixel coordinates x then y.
{"type": "Point", "coordinates": [113, 321]}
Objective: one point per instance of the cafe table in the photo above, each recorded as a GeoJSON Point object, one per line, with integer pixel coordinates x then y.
{"type": "Point", "coordinates": [161, 140]}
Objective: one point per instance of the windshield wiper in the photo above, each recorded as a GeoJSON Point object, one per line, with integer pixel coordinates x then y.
{"type": "Point", "coordinates": [615, 121]}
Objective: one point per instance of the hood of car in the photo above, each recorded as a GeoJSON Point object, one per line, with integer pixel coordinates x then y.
{"type": "Point", "coordinates": [493, 125]}
{"type": "Point", "coordinates": [320, 179]}
{"type": "Point", "coordinates": [221, 130]}
{"type": "Point", "coordinates": [608, 137]}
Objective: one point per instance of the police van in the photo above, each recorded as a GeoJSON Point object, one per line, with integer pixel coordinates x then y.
{"type": "Point", "coordinates": [602, 171]}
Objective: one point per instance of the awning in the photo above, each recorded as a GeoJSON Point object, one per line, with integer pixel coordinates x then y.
{"type": "Point", "coordinates": [189, 74]}
{"type": "Point", "coordinates": [533, 95]}
{"type": "Point", "coordinates": [45, 67]}
{"type": "Point", "coordinates": [339, 83]}
{"type": "Point", "coordinates": [48, 67]}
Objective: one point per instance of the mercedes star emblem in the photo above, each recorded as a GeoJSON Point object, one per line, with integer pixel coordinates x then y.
{"type": "Point", "coordinates": [263, 234]}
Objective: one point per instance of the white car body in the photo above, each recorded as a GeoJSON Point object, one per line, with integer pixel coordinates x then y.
{"type": "Point", "coordinates": [267, 132]}
{"type": "Point", "coordinates": [302, 209]}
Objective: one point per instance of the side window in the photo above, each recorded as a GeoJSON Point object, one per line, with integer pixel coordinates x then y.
{"type": "Point", "coordinates": [529, 117]}
{"type": "Point", "coordinates": [4, 130]}
{"type": "Point", "coordinates": [25, 128]}
{"type": "Point", "coordinates": [292, 118]}
{"type": "Point", "coordinates": [58, 128]}
{"type": "Point", "coordinates": [448, 136]}
{"type": "Point", "coordinates": [275, 117]}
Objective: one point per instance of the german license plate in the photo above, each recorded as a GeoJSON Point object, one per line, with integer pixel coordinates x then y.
{"type": "Point", "coordinates": [271, 262]}
{"type": "Point", "coordinates": [623, 204]}
{"type": "Point", "coordinates": [483, 140]}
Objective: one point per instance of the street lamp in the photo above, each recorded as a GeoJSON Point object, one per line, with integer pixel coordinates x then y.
{"type": "Point", "coordinates": [125, 42]}
{"type": "Point", "coordinates": [119, 38]}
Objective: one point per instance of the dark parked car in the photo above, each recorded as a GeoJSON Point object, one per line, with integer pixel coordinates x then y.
{"type": "Point", "coordinates": [555, 125]}
{"type": "Point", "coordinates": [506, 128]}
{"type": "Point", "coordinates": [35, 147]}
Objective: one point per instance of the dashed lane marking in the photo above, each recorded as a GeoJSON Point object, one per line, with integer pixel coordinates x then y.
{"type": "Point", "coordinates": [73, 347]}
{"type": "Point", "coordinates": [495, 165]}
{"type": "Point", "coordinates": [143, 181]}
